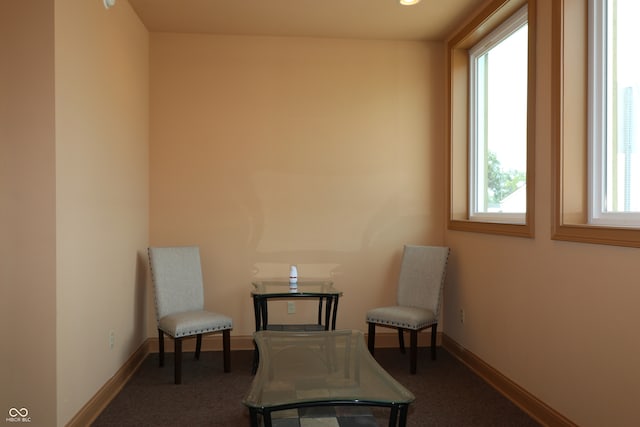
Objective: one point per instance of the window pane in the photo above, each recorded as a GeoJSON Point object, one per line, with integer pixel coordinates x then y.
{"type": "Point", "coordinates": [622, 157]}
{"type": "Point", "coordinates": [501, 126]}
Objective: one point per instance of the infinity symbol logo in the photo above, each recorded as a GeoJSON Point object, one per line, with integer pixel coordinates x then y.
{"type": "Point", "coordinates": [22, 412]}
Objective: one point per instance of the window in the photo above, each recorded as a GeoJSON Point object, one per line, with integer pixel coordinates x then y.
{"type": "Point", "coordinates": [596, 148]}
{"type": "Point", "coordinates": [498, 118]}
{"type": "Point", "coordinates": [491, 93]}
{"type": "Point", "coordinates": [614, 108]}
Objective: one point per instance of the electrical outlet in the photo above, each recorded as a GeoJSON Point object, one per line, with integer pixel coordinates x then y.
{"type": "Point", "coordinates": [462, 315]}
{"type": "Point", "coordinates": [291, 307]}
{"type": "Point", "coordinates": [112, 339]}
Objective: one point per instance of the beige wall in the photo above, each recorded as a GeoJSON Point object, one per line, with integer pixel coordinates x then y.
{"type": "Point", "coordinates": [101, 70]}
{"type": "Point", "coordinates": [558, 318]}
{"type": "Point", "coordinates": [27, 211]}
{"type": "Point", "coordinates": [320, 152]}
{"type": "Point", "coordinates": [267, 151]}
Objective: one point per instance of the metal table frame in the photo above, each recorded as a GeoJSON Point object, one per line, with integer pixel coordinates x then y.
{"type": "Point", "coordinates": [328, 296]}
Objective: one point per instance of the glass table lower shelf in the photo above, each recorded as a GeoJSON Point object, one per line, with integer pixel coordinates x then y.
{"type": "Point", "coordinates": [324, 368]}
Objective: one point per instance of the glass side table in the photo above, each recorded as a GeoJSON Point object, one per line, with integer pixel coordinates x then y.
{"type": "Point", "coordinates": [325, 368]}
{"type": "Point", "coordinates": [322, 290]}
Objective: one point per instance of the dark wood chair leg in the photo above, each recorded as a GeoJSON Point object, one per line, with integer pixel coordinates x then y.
{"type": "Point", "coordinates": [434, 334]}
{"type": "Point", "coordinates": [372, 338]}
{"type": "Point", "coordinates": [401, 340]}
{"type": "Point", "coordinates": [161, 347]}
{"type": "Point", "coordinates": [226, 349]}
{"type": "Point", "coordinates": [177, 356]}
{"type": "Point", "coordinates": [413, 334]}
{"type": "Point", "coordinates": [198, 345]}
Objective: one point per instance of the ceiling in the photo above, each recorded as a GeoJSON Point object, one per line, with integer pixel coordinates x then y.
{"type": "Point", "coordinates": [362, 19]}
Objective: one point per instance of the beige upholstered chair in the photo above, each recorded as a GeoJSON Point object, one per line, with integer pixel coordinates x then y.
{"type": "Point", "coordinates": [177, 279]}
{"type": "Point", "coordinates": [420, 284]}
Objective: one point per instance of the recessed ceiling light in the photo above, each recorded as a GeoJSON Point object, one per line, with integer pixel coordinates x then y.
{"type": "Point", "coordinates": [409, 2]}
{"type": "Point", "coordinates": [109, 3]}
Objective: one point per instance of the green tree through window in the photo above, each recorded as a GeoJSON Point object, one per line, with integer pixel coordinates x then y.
{"type": "Point", "coordinates": [501, 183]}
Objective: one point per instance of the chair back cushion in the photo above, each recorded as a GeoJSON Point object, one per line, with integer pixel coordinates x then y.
{"type": "Point", "coordinates": [177, 279]}
{"type": "Point", "coordinates": [422, 275]}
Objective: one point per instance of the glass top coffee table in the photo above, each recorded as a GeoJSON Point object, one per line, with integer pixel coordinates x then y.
{"type": "Point", "coordinates": [325, 368]}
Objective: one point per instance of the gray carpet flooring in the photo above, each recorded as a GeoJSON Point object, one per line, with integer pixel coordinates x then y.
{"type": "Point", "coordinates": [447, 394]}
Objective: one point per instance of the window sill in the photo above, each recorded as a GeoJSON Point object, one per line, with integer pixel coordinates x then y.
{"type": "Point", "coordinates": [513, 230]}
{"type": "Point", "coordinates": [597, 234]}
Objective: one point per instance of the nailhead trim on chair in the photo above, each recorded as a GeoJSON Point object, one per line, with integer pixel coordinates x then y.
{"type": "Point", "coordinates": [399, 324]}
{"type": "Point", "coordinates": [200, 331]}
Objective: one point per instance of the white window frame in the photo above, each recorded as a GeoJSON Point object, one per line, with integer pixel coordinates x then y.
{"type": "Point", "coordinates": [597, 131]}
{"type": "Point", "coordinates": [495, 37]}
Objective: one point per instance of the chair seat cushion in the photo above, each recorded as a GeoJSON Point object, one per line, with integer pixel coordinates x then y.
{"type": "Point", "coordinates": [193, 323]}
{"type": "Point", "coordinates": [402, 317]}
